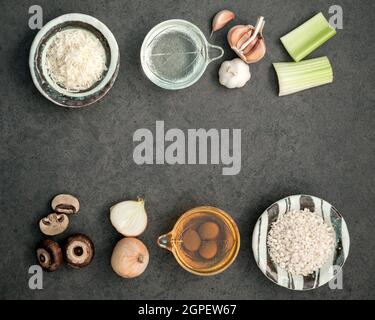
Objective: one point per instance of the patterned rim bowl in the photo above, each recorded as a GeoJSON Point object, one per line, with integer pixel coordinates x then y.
{"type": "Point", "coordinates": [43, 81]}
{"type": "Point", "coordinates": [280, 276]}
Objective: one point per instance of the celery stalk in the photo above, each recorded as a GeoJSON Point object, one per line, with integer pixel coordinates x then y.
{"type": "Point", "coordinates": [298, 76]}
{"type": "Point", "coordinates": [307, 37]}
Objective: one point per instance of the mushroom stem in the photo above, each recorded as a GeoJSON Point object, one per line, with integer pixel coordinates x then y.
{"type": "Point", "coordinates": [79, 250]}
{"type": "Point", "coordinates": [140, 258]}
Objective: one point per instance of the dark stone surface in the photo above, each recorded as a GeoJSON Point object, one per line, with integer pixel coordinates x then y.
{"type": "Point", "coordinates": [318, 142]}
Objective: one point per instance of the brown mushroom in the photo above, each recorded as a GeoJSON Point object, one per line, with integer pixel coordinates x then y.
{"type": "Point", "coordinates": [49, 255]}
{"type": "Point", "coordinates": [79, 250]}
{"type": "Point", "coordinates": [54, 224]}
{"type": "Point", "coordinates": [65, 203]}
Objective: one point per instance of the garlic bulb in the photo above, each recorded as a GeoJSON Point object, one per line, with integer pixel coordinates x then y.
{"type": "Point", "coordinates": [129, 217]}
{"type": "Point", "coordinates": [234, 73]}
{"type": "Point", "coordinates": [129, 258]}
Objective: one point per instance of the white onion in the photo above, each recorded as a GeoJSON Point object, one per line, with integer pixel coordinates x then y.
{"type": "Point", "coordinates": [129, 217]}
{"type": "Point", "coordinates": [129, 258]}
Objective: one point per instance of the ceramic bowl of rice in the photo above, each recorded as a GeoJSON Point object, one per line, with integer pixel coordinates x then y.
{"type": "Point", "coordinates": [301, 242]}
{"type": "Point", "coordinates": [74, 60]}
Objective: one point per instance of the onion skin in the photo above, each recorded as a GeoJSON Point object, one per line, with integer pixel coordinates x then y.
{"type": "Point", "coordinates": [130, 258]}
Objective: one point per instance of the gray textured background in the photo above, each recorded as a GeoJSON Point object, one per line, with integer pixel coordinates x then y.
{"type": "Point", "coordinates": [319, 142]}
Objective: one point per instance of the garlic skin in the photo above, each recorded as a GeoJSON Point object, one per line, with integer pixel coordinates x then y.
{"type": "Point", "coordinates": [129, 217]}
{"type": "Point", "coordinates": [234, 73]}
{"type": "Point", "coordinates": [221, 19]}
{"type": "Point", "coordinates": [248, 41]}
{"type": "Point", "coordinates": [130, 258]}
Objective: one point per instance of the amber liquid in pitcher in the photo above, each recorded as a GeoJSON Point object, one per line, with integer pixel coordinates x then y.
{"type": "Point", "coordinates": [204, 241]}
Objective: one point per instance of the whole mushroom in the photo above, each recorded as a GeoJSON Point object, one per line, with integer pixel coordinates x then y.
{"type": "Point", "coordinates": [65, 203]}
{"type": "Point", "coordinates": [54, 224]}
{"type": "Point", "coordinates": [49, 255]}
{"type": "Point", "coordinates": [79, 250]}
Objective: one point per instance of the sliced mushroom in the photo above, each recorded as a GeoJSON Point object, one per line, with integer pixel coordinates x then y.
{"type": "Point", "coordinates": [79, 250]}
{"type": "Point", "coordinates": [54, 224]}
{"type": "Point", "coordinates": [49, 255]}
{"type": "Point", "coordinates": [65, 203]}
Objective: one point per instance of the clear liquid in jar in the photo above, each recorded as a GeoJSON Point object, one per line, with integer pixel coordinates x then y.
{"type": "Point", "coordinates": [175, 56]}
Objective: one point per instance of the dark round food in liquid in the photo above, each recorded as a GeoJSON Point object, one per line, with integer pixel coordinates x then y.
{"type": "Point", "coordinates": [208, 249]}
{"type": "Point", "coordinates": [191, 240]}
{"type": "Point", "coordinates": [208, 230]}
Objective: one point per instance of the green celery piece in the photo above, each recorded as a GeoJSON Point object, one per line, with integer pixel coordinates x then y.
{"type": "Point", "coordinates": [297, 76]}
{"type": "Point", "coordinates": [307, 37]}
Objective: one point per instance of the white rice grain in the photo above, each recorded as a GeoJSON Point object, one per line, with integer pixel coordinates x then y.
{"type": "Point", "coordinates": [300, 242]}
{"type": "Point", "coordinates": [76, 59]}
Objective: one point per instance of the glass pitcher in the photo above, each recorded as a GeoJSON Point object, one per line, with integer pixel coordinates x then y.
{"type": "Point", "coordinates": [175, 54]}
{"type": "Point", "coordinates": [205, 241]}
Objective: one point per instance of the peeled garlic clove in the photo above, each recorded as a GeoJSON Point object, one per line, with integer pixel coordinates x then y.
{"type": "Point", "coordinates": [221, 19]}
{"type": "Point", "coordinates": [129, 217]}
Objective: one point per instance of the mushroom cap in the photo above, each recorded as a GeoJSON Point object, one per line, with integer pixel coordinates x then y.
{"type": "Point", "coordinates": [49, 255]}
{"type": "Point", "coordinates": [79, 250]}
{"type": "Point", "coordinates": [54, 224]}
{"type": "Point", "coordinates": [65, 203]}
